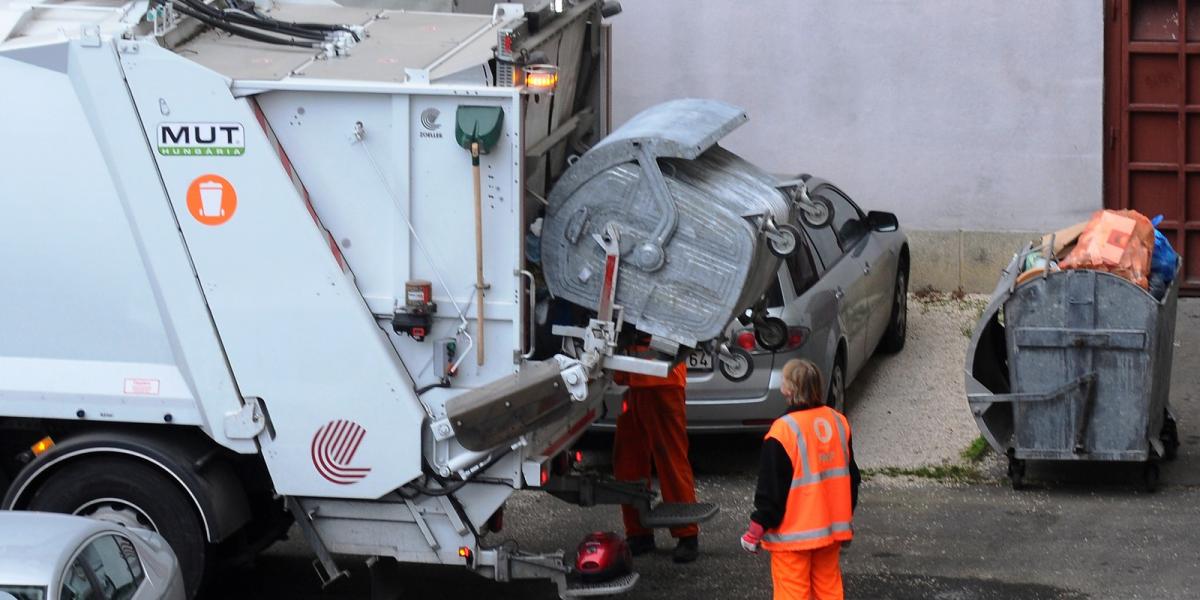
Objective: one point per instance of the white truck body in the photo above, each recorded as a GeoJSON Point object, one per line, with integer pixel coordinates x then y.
{"type": "Point", "coordinates": [207, 233]}
{"type": "Point", "coordinates": [199, 316]}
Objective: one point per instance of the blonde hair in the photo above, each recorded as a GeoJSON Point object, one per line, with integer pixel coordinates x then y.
{"type": "Point", "coordinates": [802, 384]}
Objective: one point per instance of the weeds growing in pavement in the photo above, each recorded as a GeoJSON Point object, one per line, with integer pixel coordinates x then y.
{"type": "Point", "coordinates": [976, 451]}
{"type": "Point", "coordinates": [942, 472]}
{"type": "Point", "coordinates": [948, 472]}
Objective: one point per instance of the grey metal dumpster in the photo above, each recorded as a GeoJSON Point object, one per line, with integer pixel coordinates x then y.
{"type": "Point", "coordinates": [1074, 365]}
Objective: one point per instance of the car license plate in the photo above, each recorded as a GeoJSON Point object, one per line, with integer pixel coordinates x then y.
{"type": "Point", "coordinates": [699, 360]}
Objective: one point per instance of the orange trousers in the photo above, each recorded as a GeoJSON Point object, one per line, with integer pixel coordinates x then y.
{"type": "Point", "coordinates": [805, 574]}
{"type": "Point", "coordinates": [652, 431]}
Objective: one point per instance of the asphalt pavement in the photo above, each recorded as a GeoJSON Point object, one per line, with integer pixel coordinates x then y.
{"type": "Point", "coordinates": [1081, 532]}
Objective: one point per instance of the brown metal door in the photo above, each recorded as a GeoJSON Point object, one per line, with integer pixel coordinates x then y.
{"type": "Point", "coordinates": [1152, 118]}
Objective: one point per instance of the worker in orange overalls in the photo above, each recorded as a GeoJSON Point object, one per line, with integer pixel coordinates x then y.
{"type": "Point", "coordinates": [652, 431]}
{"type": "Point", "coordinates": [807, 491]}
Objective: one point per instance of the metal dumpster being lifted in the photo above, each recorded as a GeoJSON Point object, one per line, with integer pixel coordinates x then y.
{"type": "Point", "coordinates": [1074, 365]}
{"type": "Point", "coordinates": [699, 227]}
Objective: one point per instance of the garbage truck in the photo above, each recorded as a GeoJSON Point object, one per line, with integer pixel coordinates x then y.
{"type": "Point", "coordinates": [354, 272]}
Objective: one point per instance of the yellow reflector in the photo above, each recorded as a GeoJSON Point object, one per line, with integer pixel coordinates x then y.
{"type": "Point", "coordinates": [42, 445]}
{"type": "Point", "coordinates": [541, 78]}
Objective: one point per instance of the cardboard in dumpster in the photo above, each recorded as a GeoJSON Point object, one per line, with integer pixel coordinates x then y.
{"type": "Point", "coordinates": [1064, 239]}
{"type": "Point", "coordinates": [1120, 242]}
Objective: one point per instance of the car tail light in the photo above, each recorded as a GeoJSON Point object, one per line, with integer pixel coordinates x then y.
{"type": "Point", "coordinates": [745, 339]}
{"type": "Point", "coordinates": [796, 337]}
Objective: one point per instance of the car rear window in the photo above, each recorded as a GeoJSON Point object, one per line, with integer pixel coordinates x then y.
{"type": "Point", "coordinates": [848, 223]}
{"type": "Point", "coordinates": [775, 295]}
{"type": "Point", "coordinates": [22, 592]}
{"type": "Point", "coordinates": [826, 244]}
{"type": "Point", "coordinates": [804, 273]}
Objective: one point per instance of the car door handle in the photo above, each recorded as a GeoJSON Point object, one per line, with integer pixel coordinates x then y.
{"type": "Point", "coordinates": [866, 268]}
{"type": "Point", "coordinates": [838, 294]}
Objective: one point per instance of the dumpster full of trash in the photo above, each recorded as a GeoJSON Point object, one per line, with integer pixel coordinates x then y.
{"type": "Point", "coordinates": [1071, 363]}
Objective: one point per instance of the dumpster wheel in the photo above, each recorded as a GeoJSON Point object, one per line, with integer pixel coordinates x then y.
{"type": "Point", "coordinates": [1150, 477]}
{"type": "Point", "coordinates": [1170, 437]}
{"type": "Point", "coordinates": [817, 213]}
{"type": "Point", "coordinates": [737, 366]}
{"type": "Point", "coordinates": [1016, 472]}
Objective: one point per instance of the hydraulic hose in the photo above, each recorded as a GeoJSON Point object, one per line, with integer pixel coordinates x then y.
{"type": "Point", "coordinates": [215, 19]}
{"type": "Point", "coordinates": [237, 30]}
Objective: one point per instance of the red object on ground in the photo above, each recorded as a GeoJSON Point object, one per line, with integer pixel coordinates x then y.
{"type": "Point", "coordinates": [603, 555]}
{"type": "Point", "coordinates": [653, 431]}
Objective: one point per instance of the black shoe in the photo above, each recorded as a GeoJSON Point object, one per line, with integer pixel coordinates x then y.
{"type": "Point", "coordinates": [687, 550]}
{"type": "Point", "coordinates": [640, 544]}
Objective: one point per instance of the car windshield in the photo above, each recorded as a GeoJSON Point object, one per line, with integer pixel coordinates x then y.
{"type": "Point", "coordinates": [22, 592]}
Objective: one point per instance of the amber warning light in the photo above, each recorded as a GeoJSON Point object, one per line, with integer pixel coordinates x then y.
{"type": "Point", "coordinates": [41, 446]}
{"type": "Point", "coordinates": [541, 79]}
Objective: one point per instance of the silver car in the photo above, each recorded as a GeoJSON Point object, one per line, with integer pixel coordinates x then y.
{"type": "Point", "coordinates": [843, 296]}
{"type": "Point", "coordinates": [45, 556]}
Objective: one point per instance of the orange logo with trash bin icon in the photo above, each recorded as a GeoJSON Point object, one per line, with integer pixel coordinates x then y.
{"type": "Point", "coordinates": [211, 199]}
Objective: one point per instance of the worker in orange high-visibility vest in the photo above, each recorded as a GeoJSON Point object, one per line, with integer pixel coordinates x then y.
{"type": "Point", "coordinates": [652, 433]}
{"type": "Point", "coordinates": [807, 491]}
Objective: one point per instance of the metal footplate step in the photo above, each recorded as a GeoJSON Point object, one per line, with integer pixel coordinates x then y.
{"type": "Point", "coordinates": [580, 589]}
{"type": "Point", "coordinates": [669, 514]}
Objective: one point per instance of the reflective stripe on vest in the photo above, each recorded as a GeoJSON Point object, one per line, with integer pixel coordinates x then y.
{"type": "Point", "coordinates": [811, 534]}
{"type": "Point", "coordinates": [822, 476]}
{"type": "Point", "coordinates": [802, 445]}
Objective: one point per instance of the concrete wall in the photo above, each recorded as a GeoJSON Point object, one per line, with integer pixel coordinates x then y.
{"type": "Point", "coordinates": [956, 115]}
{"type": "Point", "coordinates": [976, 121]}
{"type": "Point", "coordinates": [961, 117]}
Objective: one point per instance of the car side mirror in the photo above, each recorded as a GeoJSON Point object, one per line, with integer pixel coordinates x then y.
{"type": "Point", "coordinates": [882, 221]}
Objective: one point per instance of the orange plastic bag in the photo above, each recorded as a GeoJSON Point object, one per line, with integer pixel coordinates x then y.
{"type": "Point", "coordinates": [1116, 241]}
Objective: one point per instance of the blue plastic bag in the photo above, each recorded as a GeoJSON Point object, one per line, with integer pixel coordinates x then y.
{"type": "Point", "coordinates": [1165, 259]}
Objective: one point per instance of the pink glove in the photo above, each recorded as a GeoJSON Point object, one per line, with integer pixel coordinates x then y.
{"type": "Point", "coordinates": [752, 537]}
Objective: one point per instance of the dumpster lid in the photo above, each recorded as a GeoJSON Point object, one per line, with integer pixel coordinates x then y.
{"type": "Point", "coordinates": [683, 128]}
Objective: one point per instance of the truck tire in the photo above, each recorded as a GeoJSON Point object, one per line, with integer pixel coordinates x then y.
{"type": "Point", "coordinates": [131, 492]}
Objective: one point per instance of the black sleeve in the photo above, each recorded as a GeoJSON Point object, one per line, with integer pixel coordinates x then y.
{"type": "Point", "coordinates": [855, 475]}
{"type": "Point", "coordinates": [774, 482]}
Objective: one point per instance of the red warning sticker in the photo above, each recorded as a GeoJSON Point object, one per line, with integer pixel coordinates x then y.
{"type": "Point", "coordinates": [136, 386]}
